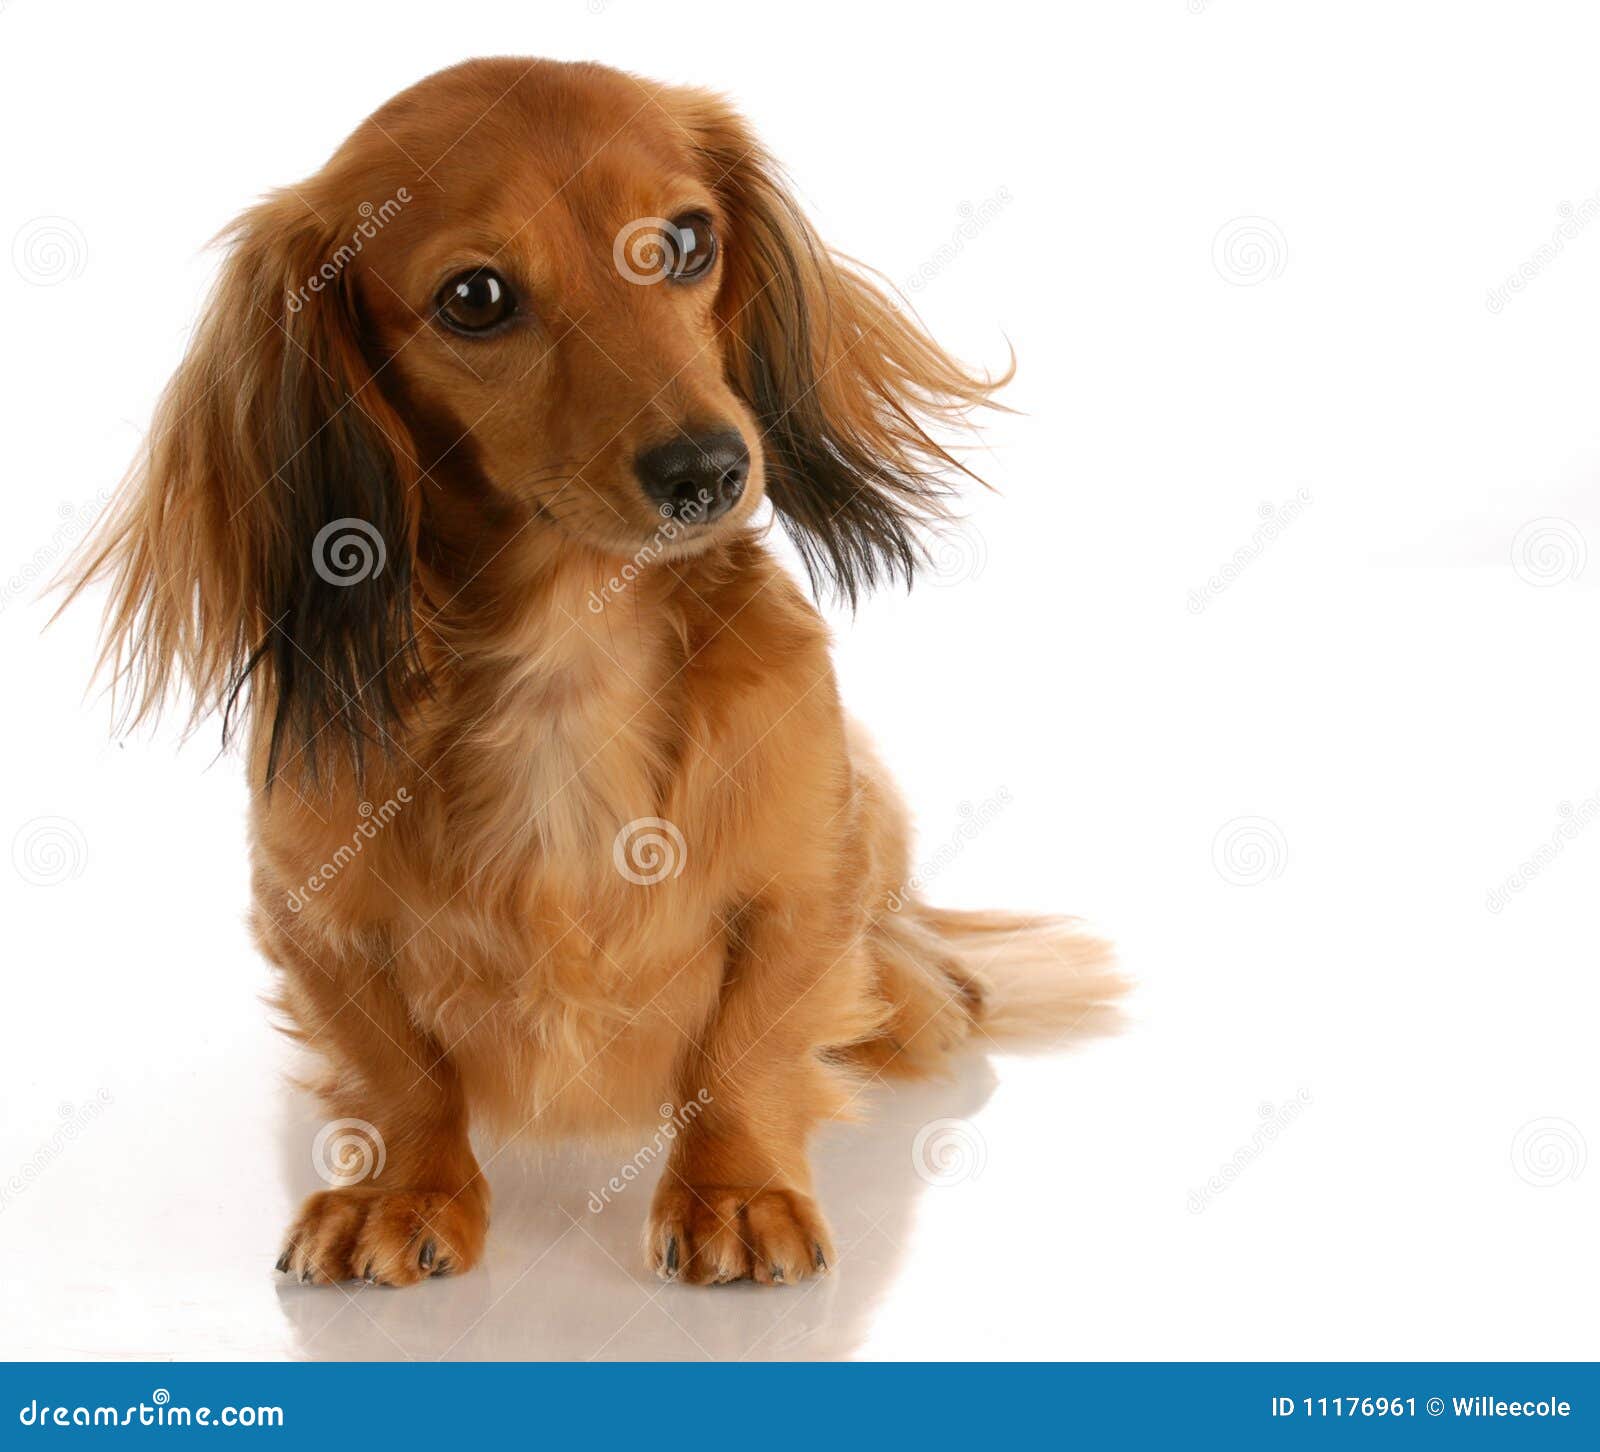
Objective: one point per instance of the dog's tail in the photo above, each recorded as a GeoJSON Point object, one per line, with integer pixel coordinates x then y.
{"type": "Point", "coordinates": [1003, 980]}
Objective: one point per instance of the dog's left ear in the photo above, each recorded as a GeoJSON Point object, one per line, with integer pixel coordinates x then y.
{"type": "Point", "coordinates": [844, 382]}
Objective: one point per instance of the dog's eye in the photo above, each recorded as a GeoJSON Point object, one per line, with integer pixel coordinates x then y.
{"type": "Point", "coordinates": [694, 247]}
{"type": "Point", "coordinates": [474, 302]}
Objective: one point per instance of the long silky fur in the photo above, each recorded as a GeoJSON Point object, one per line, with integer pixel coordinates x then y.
{"type": "Point", "coordinates": [453, 759]}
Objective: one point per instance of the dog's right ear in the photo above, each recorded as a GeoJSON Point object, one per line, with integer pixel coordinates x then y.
{"type": "Point", "coordinates": [261, 551]}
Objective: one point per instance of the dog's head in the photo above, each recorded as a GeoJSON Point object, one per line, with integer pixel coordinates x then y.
{"type": "Point", "coordinates": [528, 309]}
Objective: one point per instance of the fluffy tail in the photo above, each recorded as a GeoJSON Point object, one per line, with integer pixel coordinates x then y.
{"type": "Point", "coordinates": [1002, 979]}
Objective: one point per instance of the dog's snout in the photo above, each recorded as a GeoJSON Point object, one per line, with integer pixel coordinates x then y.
{"type": "Point", "coordinates": [695, 479]}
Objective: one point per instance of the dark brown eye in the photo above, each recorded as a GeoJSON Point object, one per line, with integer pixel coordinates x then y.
{"type": "Point", "coordinates": [694, 247]}
{"type": "Point", "coordinates": [476, 301]}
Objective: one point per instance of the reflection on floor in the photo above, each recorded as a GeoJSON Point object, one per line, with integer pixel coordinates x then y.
{"type": "Point", "coordinates": [560, 1281]}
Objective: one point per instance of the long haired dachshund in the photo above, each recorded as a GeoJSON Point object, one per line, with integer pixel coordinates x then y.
{"type": "Point", "coordinates": [557, 821]}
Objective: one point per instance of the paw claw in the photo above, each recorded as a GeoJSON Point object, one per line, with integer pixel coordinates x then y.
{"type": "Point", "coordinates": [714, 1234]}
{"type": "Point", "coordinates": [385, 1237]}
{"type": "Point", "coordinates": [283, 1263]}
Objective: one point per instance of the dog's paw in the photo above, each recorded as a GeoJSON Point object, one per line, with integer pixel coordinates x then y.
{"type": "Point", "coordinates": [717, 1233]}
{"type": "Point", "coordinates": [384, 1237]}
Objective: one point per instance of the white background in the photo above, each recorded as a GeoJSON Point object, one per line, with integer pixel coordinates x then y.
{"type": "Point", "coordinates": [1400, 687]}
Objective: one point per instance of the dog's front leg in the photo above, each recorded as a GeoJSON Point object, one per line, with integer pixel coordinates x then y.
{"type": "Point", "coordinates": [735, 1200]}
{"type": "Point", "coordinates": [420, 1206]}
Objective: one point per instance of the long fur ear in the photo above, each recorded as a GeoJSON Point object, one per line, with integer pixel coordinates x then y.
{"type": "Point", "coordinates": [262, 547]}
{"type": "Point", "coordinates": [844, 381]}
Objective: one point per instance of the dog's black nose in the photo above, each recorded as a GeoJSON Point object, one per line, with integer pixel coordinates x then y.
{"type": "Point", "coordinates": [696, 479]}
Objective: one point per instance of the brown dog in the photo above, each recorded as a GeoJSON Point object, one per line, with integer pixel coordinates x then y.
{"type": "Point", "coordinates": [452, 501]}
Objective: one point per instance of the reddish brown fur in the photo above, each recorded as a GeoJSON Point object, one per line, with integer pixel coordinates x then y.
{"type": "Point", "coordinates": [482, 961]}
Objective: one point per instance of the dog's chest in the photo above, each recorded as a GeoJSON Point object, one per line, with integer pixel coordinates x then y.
{"type": "Point", "coordinates": [558, 761]}
{"type": "Point", "coordinates": [564, 971]}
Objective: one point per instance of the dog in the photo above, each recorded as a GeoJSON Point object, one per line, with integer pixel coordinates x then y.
{"type": "Point", "coordinates": [455, 505]}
